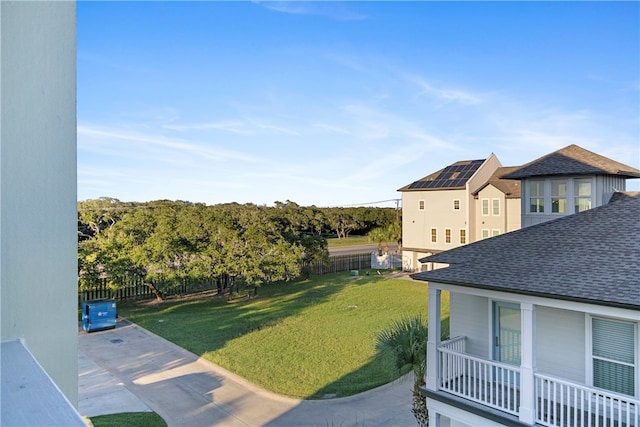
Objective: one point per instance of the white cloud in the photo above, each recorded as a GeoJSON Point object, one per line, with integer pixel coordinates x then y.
{"type": "Point", "coordinates": [240, 127]}
{"type": "Point", "coordinates": [330, 9]}
{"type": "Point", "coordinates": [445, 94]}
{"type": "Point", "coordinates": [100, 139]}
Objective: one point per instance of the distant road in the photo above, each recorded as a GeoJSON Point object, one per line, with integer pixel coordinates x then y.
{"type": "Point", "coordinates": [359, 249]}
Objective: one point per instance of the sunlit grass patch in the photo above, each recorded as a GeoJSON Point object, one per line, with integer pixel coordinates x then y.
{"type": "Point", "coordinates": [310, 339]}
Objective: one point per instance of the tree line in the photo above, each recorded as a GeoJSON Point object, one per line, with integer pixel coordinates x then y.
{"type": "Point", "coordinates": [169, 242]}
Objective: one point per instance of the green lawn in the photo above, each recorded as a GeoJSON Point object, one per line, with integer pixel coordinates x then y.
{"type": "Point", "coordinates": [349, 241]}
{"type": "Point", "coordinates": [129, 419]}
{"type": "Point", "coordinates": [307, 339]}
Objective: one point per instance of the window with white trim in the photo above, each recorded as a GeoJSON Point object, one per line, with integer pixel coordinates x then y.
{"type": "Point", "coordinates": [495, 232]}
{"type": "Point", "coordinates": [582, 191]}
{"type": "Point", "coordinates": [613, 355]}
{"type": "Point", "coordinates": [495, 207]}
{"type": "Point", "coordinates": [485, 207]}
{"type": "Point", "coordinates": [421, 205]}
{"type": "Point", "coordinates": [536, 196]}
{"type": "Point", "coordinates": [447, 235]}
{"type": "Point", "coordinates": [485, 233]}
{"type": "Point", "coordinates": [463, 236]}
{"type": "Point", "coordinates": [434, 235]}
{"type": "Point", "coordinates": [456, 205]}
{"type": "Point", "coordinates": [558, 196]}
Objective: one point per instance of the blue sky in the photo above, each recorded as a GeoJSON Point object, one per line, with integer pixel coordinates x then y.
{"type": "Point", "coordinates": [342, 103]}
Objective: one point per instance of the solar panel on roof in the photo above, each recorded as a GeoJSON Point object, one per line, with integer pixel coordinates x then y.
{"type": "Point", "coordinates": [451, 176]}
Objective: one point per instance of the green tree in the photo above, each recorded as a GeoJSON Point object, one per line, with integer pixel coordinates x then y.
{"type": "Point", "coordinates": [343, 222]}
{"type": "Point", "coordinates": [393, 233]}
{"type": "Point", "coordinates": [405, 342]}
{"type": "Point", "coordinates": [379, 236]}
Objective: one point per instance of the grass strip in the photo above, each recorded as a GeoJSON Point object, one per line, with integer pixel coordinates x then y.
{"type": "Point", "coordinates": [129, 419]}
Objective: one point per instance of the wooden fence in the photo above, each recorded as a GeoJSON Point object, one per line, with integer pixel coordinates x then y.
{"type": "Point", "coordinates": [135, 288]}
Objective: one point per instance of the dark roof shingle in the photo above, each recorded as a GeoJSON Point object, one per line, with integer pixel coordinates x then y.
{"type": "Point", "coordinates": [510, 187]}
{"type": "Point", "coordinates": [573, 160]}
{"type": "Point", "coordinates": [592, 256]}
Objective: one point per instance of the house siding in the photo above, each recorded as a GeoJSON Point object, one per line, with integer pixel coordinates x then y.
{"type": "Point", "coordinates": [469, 316]}
{"type": "Point", "coordinates": [603, 187]}
{"type": "Point", "coordinates": [417, 223]}
{"type": "Point", "coordinates": [38, 218]}
{"type": "Point", "coordinates": [508, 218]}
{"type": "Point", "coordinates": [439, 213]}
{"type": "Point", "coordinates": [560, 343]}
{"type": "Point", "coordinates": [607, 185]}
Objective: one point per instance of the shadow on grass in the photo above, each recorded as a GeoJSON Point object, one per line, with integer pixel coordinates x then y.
{"type": "Point", "coordinates": [208, 323]}
{"type": "Point", "coordinates": [377, 372]}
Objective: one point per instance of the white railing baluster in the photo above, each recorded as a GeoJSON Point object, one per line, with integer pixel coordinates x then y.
{"type": "Point", "coordinates": [559, 402]}
{"type": "Point", "coordinates": [564, 403]}
{"type": "Point", "coordinates": [484, 381]}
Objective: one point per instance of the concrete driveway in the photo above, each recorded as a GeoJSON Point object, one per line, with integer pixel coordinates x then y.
{"type": "Point", "coordinates": [129, 369]}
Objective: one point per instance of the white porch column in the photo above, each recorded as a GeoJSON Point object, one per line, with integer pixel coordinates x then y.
{"type": "Point", "coordinates": [433, 341]}
{"type": "Point", "coordinates": [527, 364]}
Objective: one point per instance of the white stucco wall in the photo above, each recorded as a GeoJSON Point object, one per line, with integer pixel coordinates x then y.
{"type": "Point", "coordinates": [438, 213]}
{"type": "Point", "coordinates": [38, 222]}
{"type": "Point", "coordinates": [508, 220]}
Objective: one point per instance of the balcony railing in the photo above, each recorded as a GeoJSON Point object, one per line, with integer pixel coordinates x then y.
{"type": "Point", "coordinates": [484, 381]}
{"type": "Point", "coordinates": [563, 403]}
{"type": "Point", "coordinates": [558, 403]}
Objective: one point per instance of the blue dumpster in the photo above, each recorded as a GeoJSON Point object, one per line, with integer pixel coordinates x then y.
{"type": "Point", "coordinates": [98, 314]}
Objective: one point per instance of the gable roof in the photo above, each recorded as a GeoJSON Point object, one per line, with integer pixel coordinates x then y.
{"type": "Point", "coordinates": [592, 256]}
{"type": "Point", "coordinates": [454, 176]}
{"type": "Point", "coordinates": [573, 160]}
{"type": "Point", "coordinates": [510, 187]}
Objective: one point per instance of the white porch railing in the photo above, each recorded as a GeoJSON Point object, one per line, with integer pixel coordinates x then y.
{"type": "Point", "coordinates": [484, 381]}
{"type": "Point", "coordinates": [562, 403]}
{"type": "Point", "coordinates": [558, 403]}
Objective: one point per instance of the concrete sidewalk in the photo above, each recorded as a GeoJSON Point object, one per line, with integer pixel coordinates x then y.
{"type": "Point", "coordinates": [129, 369]}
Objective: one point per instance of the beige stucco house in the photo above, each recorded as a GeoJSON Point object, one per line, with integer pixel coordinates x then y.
{"type": "Point", "coordinates": [38, 219]}
{"type": "Point", "coordinates": [455, 206]}
{"type": "Point", "coordinates": [497, 205]}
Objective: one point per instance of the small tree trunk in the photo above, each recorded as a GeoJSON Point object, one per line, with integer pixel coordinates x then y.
{"type": "Point", "coordinates": [157, 292]}
{"type": "Point", "coordinates": [420, 407]}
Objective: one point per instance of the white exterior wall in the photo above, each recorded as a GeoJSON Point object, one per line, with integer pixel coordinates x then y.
{"type": "Point", "coordinates": [38, 220]}
{"type": "Point", "coordinates": [470, 317]}
{"type": "Point", "coordinates": [438, 213]}
{"type": "Point", "coordinates": [507, 220]}
{"type": "Point", "coordinates": [480, 178]}
{"type": "Point", "coordinates": [606, 186]}
{"type": "Point", "coordinates": [560, 343]}
{"type": "Point", "coordinates": [443, 415]}
{"type": "Point", "coordinates": [514, 214]}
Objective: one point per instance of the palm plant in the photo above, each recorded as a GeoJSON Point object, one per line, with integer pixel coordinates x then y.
{"type": "Point", "coordinates": [378, 236]}
{"type": "Point", "coordinates": [405, 342]}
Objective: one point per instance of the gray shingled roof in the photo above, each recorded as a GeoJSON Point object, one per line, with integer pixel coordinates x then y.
{"type": "Point", "coordinates": [573, 160]}
{"type": "Point", "coordinates": [510, 187]}
{"type": "Point", "coordinates": [592, 256]}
